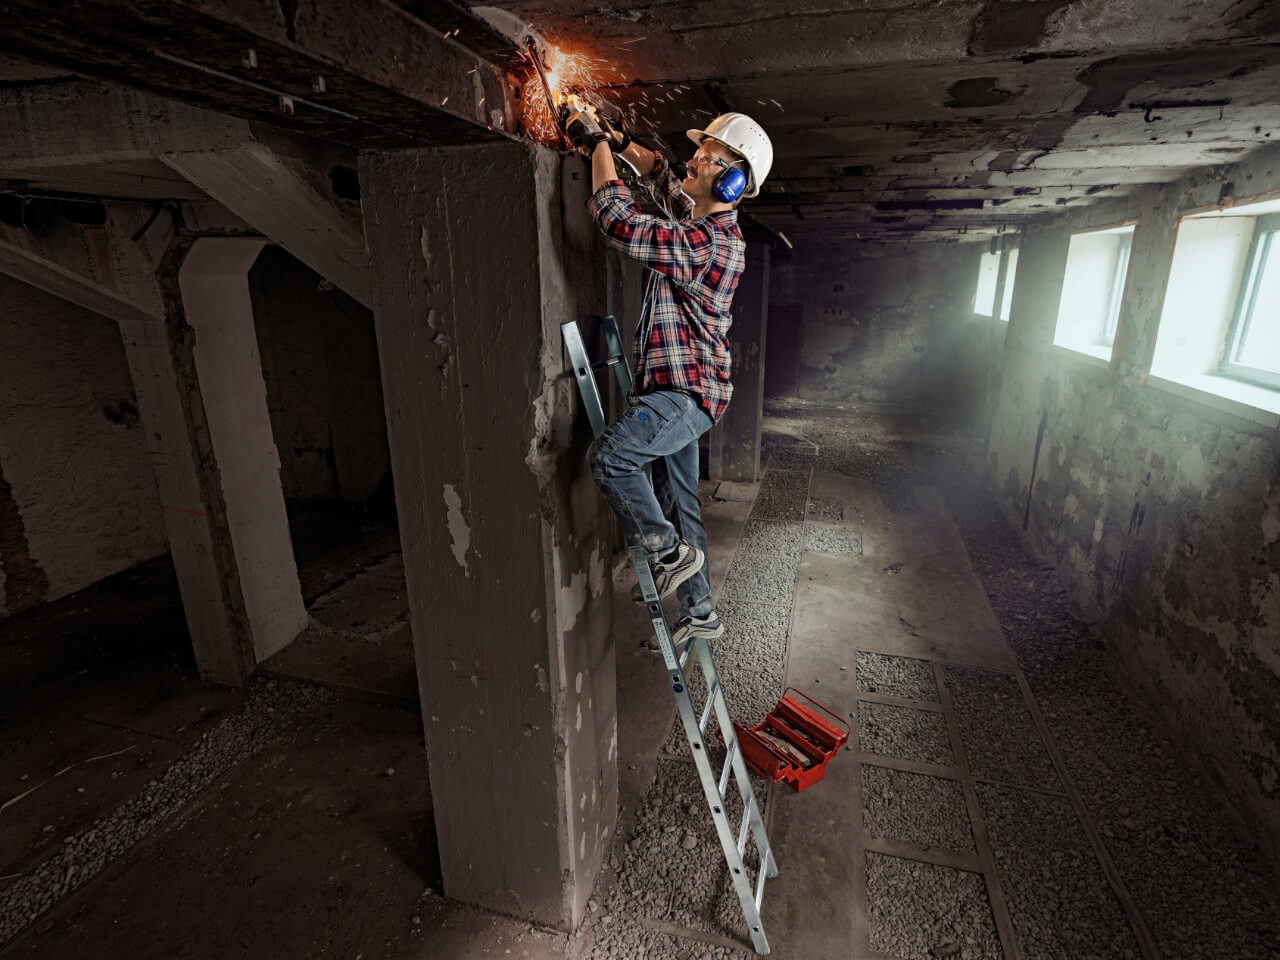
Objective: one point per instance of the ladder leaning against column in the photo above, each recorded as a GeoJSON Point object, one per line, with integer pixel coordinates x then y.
{"type": "Point", "coordinates": [695, 727]}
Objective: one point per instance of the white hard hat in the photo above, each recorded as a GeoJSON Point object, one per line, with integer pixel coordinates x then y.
{"type": "Point", "coordinates": [743, 135]}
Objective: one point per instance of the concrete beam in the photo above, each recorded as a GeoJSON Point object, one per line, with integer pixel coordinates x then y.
{"type": "Point", "coordinates": [81, 129]}
{"type": "Point", "coordinates": [268, 193]}
{"type": "Point", "coordinates": [506, 540]}
{"type": "Point", "coordinates": [78, 122]}
{"type": "Point", "coordinates": [364, 74]}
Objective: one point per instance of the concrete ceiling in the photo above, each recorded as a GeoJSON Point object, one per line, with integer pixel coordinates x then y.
{"type": "Point", "coordinates": [930, 119]}
{"type": "Point", "coordinates": [944, 118]}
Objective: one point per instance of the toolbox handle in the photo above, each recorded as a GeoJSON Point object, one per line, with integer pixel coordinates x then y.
{"type": "Point", "coordinates": [838, 719]}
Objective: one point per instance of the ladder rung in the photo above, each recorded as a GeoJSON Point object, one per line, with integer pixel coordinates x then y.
{"type": "Point", "coordinates": [688, 649]}
{"type": "Point", "coordinates": [760, 888]}
{"type": "Point", "coordinates": [711, 702]}
{"type": "Point", "coordinates": [728, 765]}
{"type": "Point", "coordinates": [746, 824]}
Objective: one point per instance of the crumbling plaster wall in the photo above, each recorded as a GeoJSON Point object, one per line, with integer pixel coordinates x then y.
{"type": "Point", "coordinates": [324, 389]}
{"type": "Point", "coordinates": [1161, 512]}
{"type": "Point", "coordinates": [78, 498]}
{"type": "Point", "coordinates": [882, 323]}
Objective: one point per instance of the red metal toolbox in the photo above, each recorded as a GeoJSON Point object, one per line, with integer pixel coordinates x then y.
{"type": "Point", "coordinates": [795, 742]}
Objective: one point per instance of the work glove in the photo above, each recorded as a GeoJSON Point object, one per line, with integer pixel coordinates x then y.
{"type": "Point", "coordinates": [619, 139]}
{"type": "Point", "coordinates": [582, 125]}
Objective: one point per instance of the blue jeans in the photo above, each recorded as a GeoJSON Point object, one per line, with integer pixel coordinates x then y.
{"type": "Point", "coordinates": [661, 428]}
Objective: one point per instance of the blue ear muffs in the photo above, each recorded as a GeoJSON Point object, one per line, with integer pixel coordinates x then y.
{"type": "Point", "coordinates": [730, 185]}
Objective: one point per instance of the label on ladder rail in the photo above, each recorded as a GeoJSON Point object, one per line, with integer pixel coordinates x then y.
{"type": "Point", "coordinates": [666, 646]}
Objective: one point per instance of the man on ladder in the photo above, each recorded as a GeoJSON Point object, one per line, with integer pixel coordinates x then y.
{"type": "Point", "coordinates": [695, 256]}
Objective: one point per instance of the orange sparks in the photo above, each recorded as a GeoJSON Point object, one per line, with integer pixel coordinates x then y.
{"type": "Point", "coordinates": [567, 73]}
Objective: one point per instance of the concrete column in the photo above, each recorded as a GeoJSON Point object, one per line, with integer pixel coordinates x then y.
{"type": "Point", "coordinates": [203, 402]}
{"type": "Point", "coordinates": [734, 443]}
{"type": "Point", "coordinates": [503, 531]}
{"type": "Point", "coordinates": [214, 284]}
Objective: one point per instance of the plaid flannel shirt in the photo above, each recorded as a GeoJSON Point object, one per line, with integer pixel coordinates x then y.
{"type": "Point", "coordinates": [682, 340]}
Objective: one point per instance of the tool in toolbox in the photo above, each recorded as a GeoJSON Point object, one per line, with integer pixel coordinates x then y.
{"type": "Point", "coordinates": [695, 727]}
{"type": "Point", "coordinates": [794, 743]}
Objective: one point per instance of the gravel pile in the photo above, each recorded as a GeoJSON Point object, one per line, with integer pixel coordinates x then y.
{"type": "Point", "coordinates": [902, 732]}
{"type": "Point", "coordinates": [836, 540]}
{"type": "Point", "coordinates": [271, 707]}
{"type": "Point", "coordinates": [1000, 738]}
{"type": "Point", "coordinates": [797, 456]}
{"type": "Point", "coordinates": [614, 935]}
{"type": "Point", "coordinates": [914, 808]}
{"type": "Point", "coordinates": [764, 566]}
{"type": "Point", "coordinates": [673, 869]}
{"type": "Point", "coordinates": [1204, 892]}
{"type": "Point", "coordinates": [1059, 901]}
{"type": "Point", "coordinates": [896, 676]}
{"type": "Point", "coordinates": [783, 495]}
{"type": "Point", "coordinates": [755, 636]}
{"type": "Point", "coordinates": [830, 509]}
{"type": "Point", "coordinates": [921, 910]}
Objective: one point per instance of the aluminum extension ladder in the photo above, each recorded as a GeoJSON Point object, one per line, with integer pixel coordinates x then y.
{"type": "Point", "coordinates": [695, 727]}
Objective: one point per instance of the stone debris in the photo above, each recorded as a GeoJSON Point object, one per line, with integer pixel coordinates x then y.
{"type": "Point", "coordinates": [893, 731]}
{"type": "Point", "coordinates": [913, 808]}
{"type": "Point", "coordinates": [1060, 904]}
{"type": "Point", "coordinates": [896, 676]}
{"type": "Point", "coordinates": [270, 708]}
{"type": "Point", "coordinates": [764, 566]}
{"type": "Point", "coordinates": [783, 495]}
{"type": "Point", "coordinates": [755, 636]}
{"type": "Point", "coordinates": [999, 734]}
{"type": "Point", "coordinates": [917, 909]}
{"type": "Point", "coordinates": [835, 540]}
{"type": "Point", "coordinates": [1203, 890]}
{"type": "Point", "coordinates": [830, 509]}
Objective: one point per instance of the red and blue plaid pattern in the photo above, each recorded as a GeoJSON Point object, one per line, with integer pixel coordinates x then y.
{"type": "Point", "coordinates": [682, 341]}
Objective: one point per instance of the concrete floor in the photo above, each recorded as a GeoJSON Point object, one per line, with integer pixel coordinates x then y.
{"type": "Point", "coordinates": [1000, 797]}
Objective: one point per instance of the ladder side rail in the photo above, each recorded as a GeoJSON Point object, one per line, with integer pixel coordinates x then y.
{"type": "Point", "coordinates": [584, 374]}
{"type": "Point", "coordinates": [750, 899]}
{"type": "Point", "coordinates": [698, 747]}
{"type": "Point", "coordinates": [768, 864]}
{"type": "Point", "coordinates": [617, 355]}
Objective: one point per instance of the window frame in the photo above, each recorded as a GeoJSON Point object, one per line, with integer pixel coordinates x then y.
{"type": "Point", "coordinates": [1106, 336]}
{"type": "Point", "coordinates": [1266, 230]}
{"type": "Point", "coordinates": [1004, 309]}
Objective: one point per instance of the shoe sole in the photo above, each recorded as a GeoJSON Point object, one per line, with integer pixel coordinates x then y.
{"type": "Point", "coordinates": [638, 597]}
{"type": "Point", "coordinates": [688, 573]}
{"type": "Point", "coordinates": [683, 642]}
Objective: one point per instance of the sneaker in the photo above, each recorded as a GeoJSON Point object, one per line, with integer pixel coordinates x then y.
{"type": "Point", "coordinates": [686, 628]}
{"type": "Point", "coordinates": [669, 574]}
